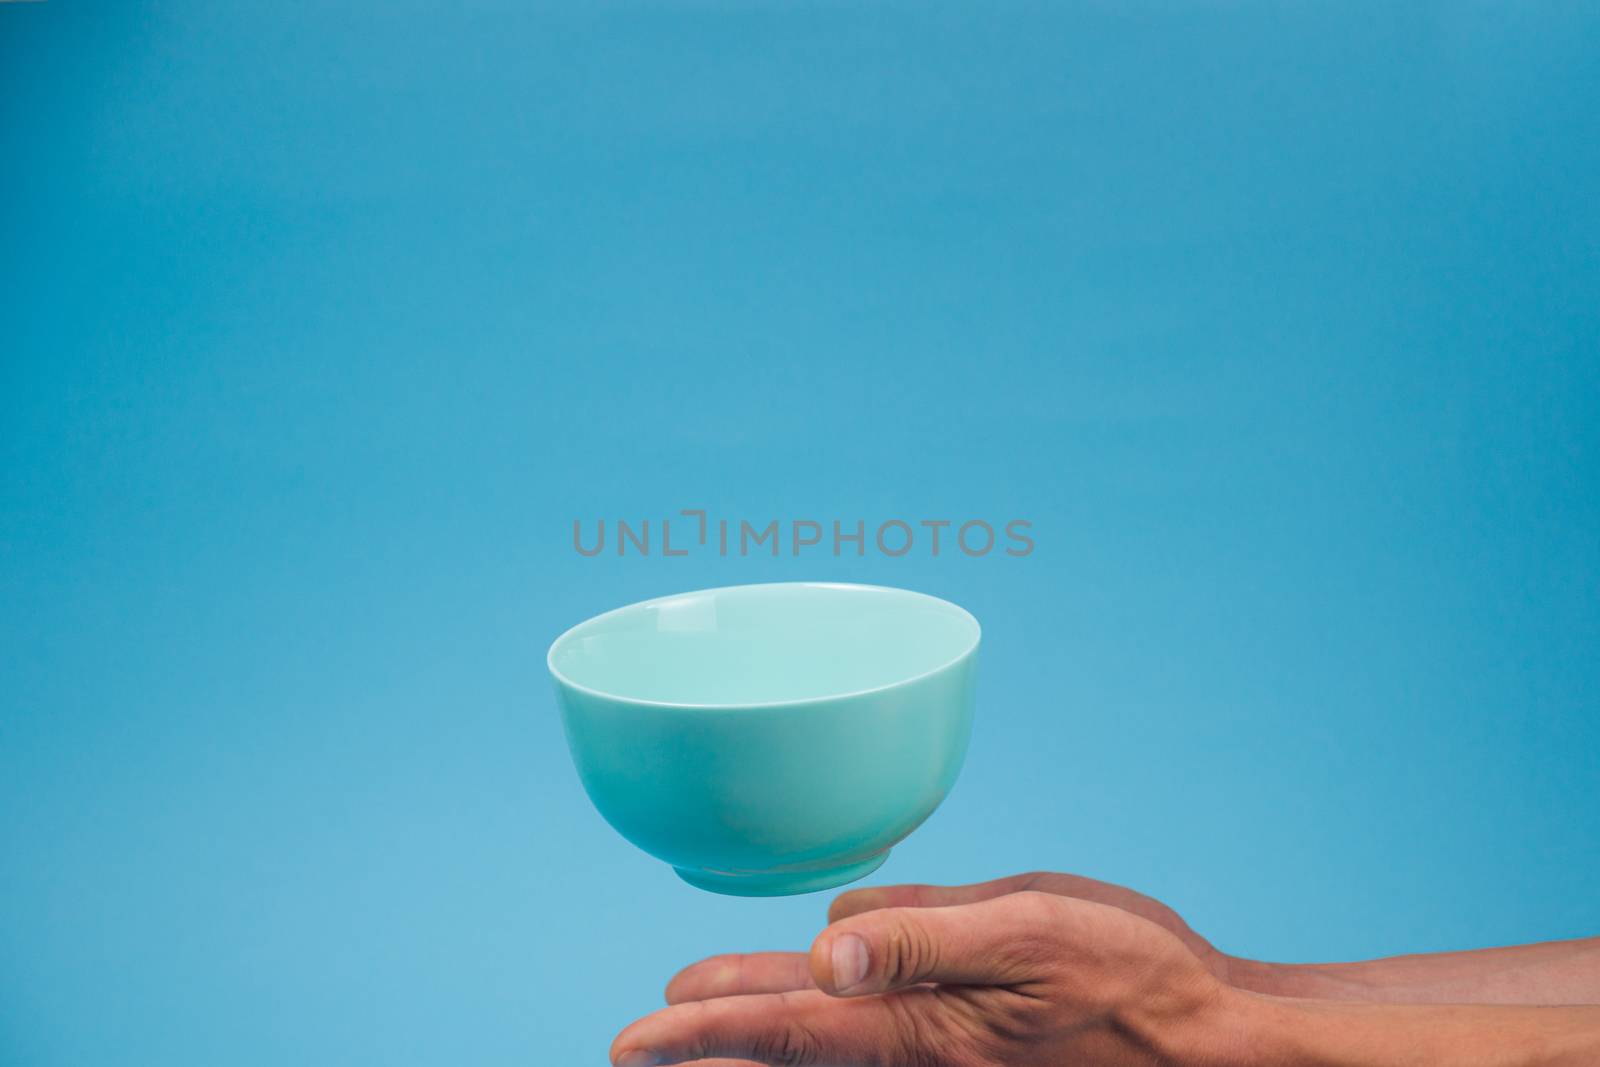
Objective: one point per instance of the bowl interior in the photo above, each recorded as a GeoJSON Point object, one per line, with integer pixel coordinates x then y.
{"type": "Point", "coordinates": [762, 644]}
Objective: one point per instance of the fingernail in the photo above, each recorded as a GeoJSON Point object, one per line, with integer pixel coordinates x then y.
{"type": "Point", "coordinates": [849, 963]}
{"type": "Point", "coordinates": [639, 1058]}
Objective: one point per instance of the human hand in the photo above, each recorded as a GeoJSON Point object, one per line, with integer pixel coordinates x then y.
{"type": "Point", "coordinates": [1003, 973]}
{"type": "Point", "coordinates": [1051, 968]}
{"type": "Point", "coordinates": [1219, 963]}
{"type": "Point", "coordinates": [777, 972]}
{"type": "Point", "coordinates": [1552, 972]}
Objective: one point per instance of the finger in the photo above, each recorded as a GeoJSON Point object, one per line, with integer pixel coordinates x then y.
{"type": "Point", "coordinates": [925, 896]}
{"type": "Point", "coordinates": [740, 974]}
{"type": "Point", "coordinates": [1000, 941]}
{"type": "Point", "coordinates": [1076, 886]}
{"type": "Point", "coordinates": [1097, 892]}
{"type": "Point", "coordinates": [788, 1029]}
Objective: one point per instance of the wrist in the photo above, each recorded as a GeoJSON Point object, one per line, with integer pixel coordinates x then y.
{"type": "Point", "coordinates": [1219, 1025]}
{"type": "Point", "coordinates": [1261, 1030]}
{"type": "Point", "coordinates": [1238, 1028]}
{"type": "Point", "coordinates": [1303, 981]}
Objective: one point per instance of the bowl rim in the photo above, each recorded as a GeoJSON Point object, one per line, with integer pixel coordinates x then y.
{"type": "Point", "coordinates": [562, 679]}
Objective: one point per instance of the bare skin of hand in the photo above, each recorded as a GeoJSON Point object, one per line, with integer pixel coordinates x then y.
{"type": "Point", "coordinates": [1554, 972]}
{"type": "Point", "coordinates": [1056, 969]}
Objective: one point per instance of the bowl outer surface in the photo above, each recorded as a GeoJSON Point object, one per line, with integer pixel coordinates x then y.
{"type": "Point", "coordinates": [767, 787]}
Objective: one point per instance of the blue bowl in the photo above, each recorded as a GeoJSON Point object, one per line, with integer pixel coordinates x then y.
{"type": "Point", "coordinates": [769, 739]}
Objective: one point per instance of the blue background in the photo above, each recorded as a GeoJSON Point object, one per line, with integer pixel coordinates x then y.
{"type": "Point", "coordinates": [322, 325]}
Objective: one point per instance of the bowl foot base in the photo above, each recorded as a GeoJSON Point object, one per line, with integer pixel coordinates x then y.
{"type": "Point", "coordinates": [781, 883]}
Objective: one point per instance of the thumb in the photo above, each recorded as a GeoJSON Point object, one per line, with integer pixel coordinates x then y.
{"type": "Point", "coordinates": [994, 942]}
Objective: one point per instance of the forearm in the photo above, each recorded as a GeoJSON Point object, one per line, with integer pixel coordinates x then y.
{"type": "Point", "coordinates": [1252, 1030]}
{"type": "Point", "coordinates": [1554, 972]}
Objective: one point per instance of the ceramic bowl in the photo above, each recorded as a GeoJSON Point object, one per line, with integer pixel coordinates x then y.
{"type": "Point", "coordinates": [769, 739]}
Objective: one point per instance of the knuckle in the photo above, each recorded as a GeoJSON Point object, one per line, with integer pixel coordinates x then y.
{"type": "Point", "coordinates": [922, 1033]}
{"type": "Point", "coordinates": [907, 1032]}
{"type": "Point", "coordinates": [708, 977]}
{"type": "Point", "coordinates": [789, 1045]}
{"type": "Point", "coordinates": [1032, 905]}
{"type": "Point", "coordinates": [1010, 1019]}
{"type": "Point", "coordinates": [712, 967]}
{"type": "Point", "coordinates": [911, 953]}
{"type": "Point", "coordinates": [699, 1013]}
{"type": "Point", "coordinates": [1034, 940]}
